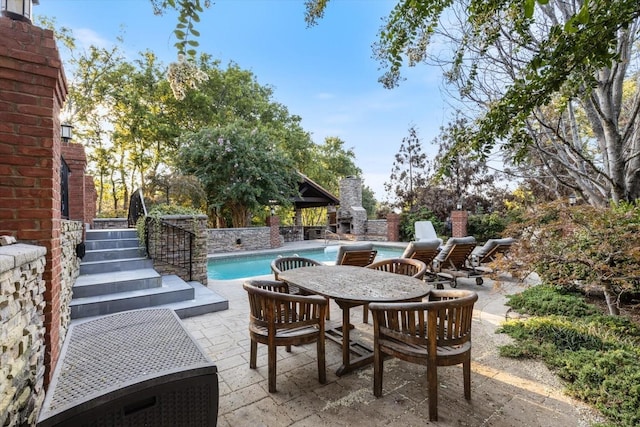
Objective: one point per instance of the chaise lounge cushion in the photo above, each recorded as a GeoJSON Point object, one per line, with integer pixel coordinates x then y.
{"type": "Point", "coordinates": [451, 243]}
{"type": "Point", "coordinates": [422, 245]}
{"type": "Point", "coordinates": [349, 248]}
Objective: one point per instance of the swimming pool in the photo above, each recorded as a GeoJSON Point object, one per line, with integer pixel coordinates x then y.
{"type": "Point", "coordinates": [241, 266]}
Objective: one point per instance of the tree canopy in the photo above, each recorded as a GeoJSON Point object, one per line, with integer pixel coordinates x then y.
{"type": "Point", "coordinates": [548, 81]}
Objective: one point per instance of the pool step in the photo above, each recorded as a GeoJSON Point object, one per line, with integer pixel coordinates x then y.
{"type": "Point", "coordinates": [116, 276]}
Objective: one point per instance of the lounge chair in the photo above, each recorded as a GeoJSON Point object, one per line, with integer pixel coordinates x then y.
{"type": "Point", "coordinates": [453, 261]}
{"type": "Point", "coordinates": [426, 251]}
{"type": "Point", "coordinates": [424, 231]}
{"type": "Point", "coordinates": [359, 255]}
{"type": "Point", "coordinates": [490, 250]}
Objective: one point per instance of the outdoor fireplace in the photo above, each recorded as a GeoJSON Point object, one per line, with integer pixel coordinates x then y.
{"type": "Point", "coordinates": [351, 217]}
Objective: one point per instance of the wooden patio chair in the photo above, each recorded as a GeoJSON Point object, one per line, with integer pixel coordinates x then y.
{"type": "Point", "coordinates": [407, 266]}
{"type": "Point", "coordinates": [453, 261]}
{"type": "Point", "coordinates": [434, 333]}
{"type": "Point", "coordinates": [281, 264]}
{"type": "Point", "coordinates": [281, 319]}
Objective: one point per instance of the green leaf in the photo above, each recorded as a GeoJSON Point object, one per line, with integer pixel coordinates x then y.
{"type": "Point", "coordinates": [193, 43]}
{"type": "Point", "coordinates": [528, 8]}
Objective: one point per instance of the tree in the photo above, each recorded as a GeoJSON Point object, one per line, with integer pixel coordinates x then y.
{"type": "Point", "coordinates": [513, 65]}
{"type": "Point", "coordinates": [240, 168]}
{"type": "Point", "coordinates": [580, 247]}
{"type": "Point", "coordinates": [408, 173]}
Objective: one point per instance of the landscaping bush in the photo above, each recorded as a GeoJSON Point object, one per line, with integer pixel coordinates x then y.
{"type": "Point", "coordinates": [408, 219]}
{"type": "Point", "coordinates": [594, 249]}
{"type": "Point", "coordinates": [486, 226]}
{"type": "Point", "coordinates": [597, 355]}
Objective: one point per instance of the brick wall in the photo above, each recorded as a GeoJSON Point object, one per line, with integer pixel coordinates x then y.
{"type": "Point", "coordinates": [22, 334]}
{"type": "Point", "coordinates": [32, 91]}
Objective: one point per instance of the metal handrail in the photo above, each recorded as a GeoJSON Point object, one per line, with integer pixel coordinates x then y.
{"type": "Point", "coordinates": [330, 233]}
{"type": "Point", "coordinates": [137, 208]}
{"type": "Point", "coordinates": [172, 244]}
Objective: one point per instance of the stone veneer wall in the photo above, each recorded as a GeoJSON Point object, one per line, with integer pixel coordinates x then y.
{"type": "Point", "coordinates": [109, 223]}
{"type": "Point", "coordinates": [196, 224]}
{"type": "Point", "coordinates": [238, 239]}
{"type": "Point", "coordinates": [71, 234]}
{"type": "Point", "coordinates": [22, 333]}
{"type": "Point", "coordinates": [376, 230]}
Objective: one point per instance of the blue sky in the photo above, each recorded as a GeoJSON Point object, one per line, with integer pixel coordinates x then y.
{"type": "Point", "coordinates": [325, 74]}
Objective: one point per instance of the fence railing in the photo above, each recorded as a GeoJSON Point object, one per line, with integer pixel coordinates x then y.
{"type": "Point", "coordinates": [170, 244]}
{"type": "Point", "coordinates": [137, 208]}
{"type": "Point", "coordinates": [330, 235]}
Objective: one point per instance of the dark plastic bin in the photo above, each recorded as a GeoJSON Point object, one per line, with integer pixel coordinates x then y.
{"type": "Point", "coordinates": [137, 368]}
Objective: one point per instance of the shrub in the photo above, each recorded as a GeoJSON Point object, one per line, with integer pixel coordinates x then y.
{"type": "Point", "coordinates": [597, 355]}
{"type": "Point", "coordinates": [581, 246]}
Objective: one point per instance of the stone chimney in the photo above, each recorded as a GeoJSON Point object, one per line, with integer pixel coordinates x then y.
{"type": "Point", "coordinates": [351, 216]}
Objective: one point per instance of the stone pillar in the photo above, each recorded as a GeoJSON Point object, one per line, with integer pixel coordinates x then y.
{"type": "Point", "coordinates": [459, 221]}
{"type": "Point", "coordinates": [173, 244]}
{"type": "Point", "coordinates": [393, 227]}
{"type": "Point", "coordinates": [33, 89]}
{"type": "Point", "coordinates": [273, 222]}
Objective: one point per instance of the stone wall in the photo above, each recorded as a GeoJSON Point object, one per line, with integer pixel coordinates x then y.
{"type": "Point", "coordinates": [238, 239]}
{"type": "Point", "coordinates": [172, 244]}
{"type": "Point", "coordinates": [71, 234]}
{"type": "Point", "coordinates": [22, 333]}
{"type": "Point", "coordinates": [376, 230]}
{"type": "Point", "coordinates": [109, 223]}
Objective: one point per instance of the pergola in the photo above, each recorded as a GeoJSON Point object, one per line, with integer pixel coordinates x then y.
{"type": "Point", "coordinates": [311, 195]}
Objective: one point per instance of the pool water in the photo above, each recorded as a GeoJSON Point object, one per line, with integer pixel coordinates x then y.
{"type": "Point", "coordinates": [238, 267]}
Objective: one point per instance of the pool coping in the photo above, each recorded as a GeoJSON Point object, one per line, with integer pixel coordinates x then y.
{"type": "Point", "coordinates": [306, 245]}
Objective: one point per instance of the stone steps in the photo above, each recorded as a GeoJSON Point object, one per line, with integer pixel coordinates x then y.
{"type": "Point", "coordinates": [116, 276]}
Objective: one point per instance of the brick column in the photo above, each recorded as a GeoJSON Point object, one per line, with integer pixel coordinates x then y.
{"type": "Point", "coordinates": [76, 158]}
{"type": "Point", "coordinates": [90, 200]}
{"type": "Point", "coordinates": [274, 223]}
{"type": "Point", "coordinates": [459, 221]}
{"type": "Point", "coordinates": [393, 227]}
{"type": "Point", "coordinates": [33, 89]}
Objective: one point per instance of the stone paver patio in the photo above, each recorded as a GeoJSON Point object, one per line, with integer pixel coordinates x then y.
{"type": "Point", "coordinates": [504, 392]}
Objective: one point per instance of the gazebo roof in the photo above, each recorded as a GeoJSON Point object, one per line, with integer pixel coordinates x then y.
{"type": "Point", "coordinates": [312, 195]}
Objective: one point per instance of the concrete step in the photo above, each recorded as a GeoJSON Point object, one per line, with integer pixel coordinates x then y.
{"type": "Point", "coordinates": [89, 285]}
{"type": "Point", "coordinates": [126, 264]}
{"type": "Point", "coordinates": [93, 245]}
{"type": "Point", "coordinates": [112, 254]}
{"type": "Point", "coordinates": [117, 233]}
{"type": "Point", "coordinates": [173, 290]}
{"type": "Point", "coordinates": [205, 301]}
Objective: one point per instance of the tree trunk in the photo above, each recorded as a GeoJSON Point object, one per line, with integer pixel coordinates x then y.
{"type": "Point", "coordinates": [612, 299]}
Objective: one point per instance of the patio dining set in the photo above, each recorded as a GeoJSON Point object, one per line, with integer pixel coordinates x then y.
{"type": "Point", "coordinates": [414, 318]}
